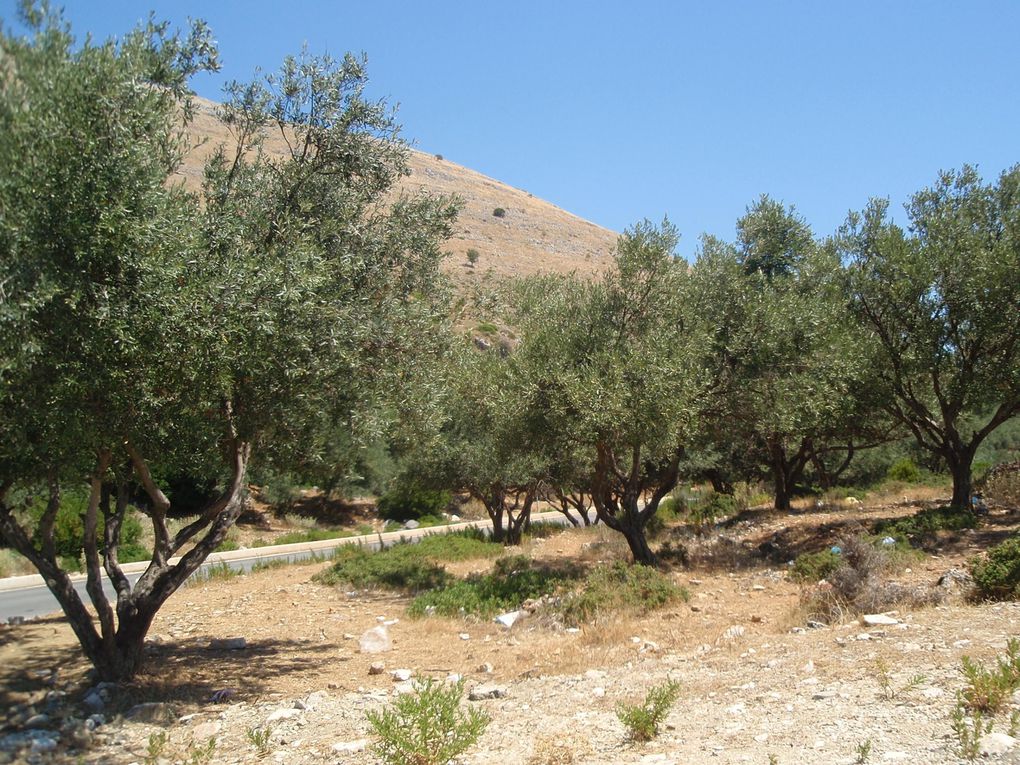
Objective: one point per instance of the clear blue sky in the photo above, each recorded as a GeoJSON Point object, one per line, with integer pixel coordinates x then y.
{"type": "Point", "coordinates": [621, 111]}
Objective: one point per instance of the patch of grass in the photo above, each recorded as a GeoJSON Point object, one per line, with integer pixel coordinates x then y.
{"type": "Point", "coordinates": [620, 587]}
{"type": "Point", "coordinates": [468, 544]}
{"type": "Point", "coordinates": [814, 567]}
{"type": "Point", "coordinates": [543, 530]}
{"type": "Point", "coordinates": [643, 720]}
{"type": "Point", "coordinates": [311, 535]}
{"type": "Point", "coordinates": [512, 581]}
{"type": "Point", "coordinates": [927, 522]}
{"type": "Point", "coordinates": [426, 727]}
{"type": "Point", "coordinates": [997, 574]}
{"type": "Point", "coordinates": [214, 572]}
{"type": "Point", "coordinates": [487, 328]}
{"type": "Point", "coordinates": [401, 567]}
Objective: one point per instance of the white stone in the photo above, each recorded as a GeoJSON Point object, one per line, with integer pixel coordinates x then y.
{"type": "Point", "coordinates": [736, 709]}
{"type": "Point", "coordinates": [375, 640]}
{"type": "Point", "coordinates": [507, 620]}
{"type": "Point", "coordinates": [376, 668]}
{"type": "Point", "coordinates": [878, 620]}
{"type": "Point", "coordinates": [732, 633]}
{"type": "Point", "coordinates": [351, 746]}
{"type": "Point", "coordinates": [401, 675]}
{"type": "Point", "coordinates": [464, 636]}
{"type": "Point", "coordinates": [996, 743]}
{"type": "Point", "coordinates": [283, 714]}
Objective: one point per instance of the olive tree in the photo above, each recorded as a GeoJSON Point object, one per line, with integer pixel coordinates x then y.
{"type": "Point", "coordinates": [941, 301]}
{"type": "Point", "coordinates": [790, 370]}
{"type": "Point", "coordinates": [146, 330]}
{"type": "Point", "coordinates": [620, 377]}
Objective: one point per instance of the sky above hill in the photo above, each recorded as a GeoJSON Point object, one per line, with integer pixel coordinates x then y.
{"type": "Point", "coordinates": [623, 111]}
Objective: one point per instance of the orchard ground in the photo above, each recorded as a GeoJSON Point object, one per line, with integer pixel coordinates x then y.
{"type": "Point", "coordinates": [758, 684]}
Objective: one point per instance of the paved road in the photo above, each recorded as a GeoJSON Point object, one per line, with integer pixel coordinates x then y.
{"type": "Point", "coordinates": [27, 596]}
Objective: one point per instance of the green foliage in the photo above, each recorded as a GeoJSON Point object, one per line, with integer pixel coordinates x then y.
{"type": "Point", "coordinates": [989, 690]}
{"type": "Point", "coordinates": [863, 752]}
{"type": "Point", "coordinates": [472, 255]}
{"type": "Point", "coordinates": [499, 212]}
{"type": "Point", "coordinates": [468, 544]}
{"type": "Point", "coordinates": [928, 521]}
{"type": "Point", "coordinates": [426, 727]}
{"type": "Point", "coordinates": [890, 691]}
{"type": "Point", "coordinates": [813, 567]}
{"type": "Point", "coordinates": [997, 573]}
{"type": "Point", "coordinates": [620, 587]}
{"type": "Point", "coordinates": [69, 528]}
{"type": "Point", "coordinates": [512, 581]}
{"type": "Point", "coordinates": [260, 738]}
{"type": "Point", "coordinates": [643, 720]}
{"type": "Point", "coordinates": [400, 567]}
{"type": "Point", "coordinates": [968, 729]}
{"type": "Point", "coordinates": [409, 501]}
{"type": "Point", "coordinates": [904, 469]}
{"type": "Point", "coordinates": [487, 328]}
{"type": "Point", "coordinates": [310, 535]}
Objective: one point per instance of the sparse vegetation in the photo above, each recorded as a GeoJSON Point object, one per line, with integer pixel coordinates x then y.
{"type": "Point", "coordinates": [928, 522]}
{"type": "Point", "coordinates": [989, 690]}
{"type": "Point", "coordinates": [407, 501]}
{"type": "Point", "coordinates": [643, 720]}
{"type": "Point", "coordinates": [260, 739]}
{"type": "Point", "coordinates": [997, 573]}
{"type": "Point", "coordinates": [401, 567]}
{"type": "Point", "coordinates": [512, 581]}
{"type": "Point", "coordinates": [890, 690]}
{"type": "Point", "coordinates": [499, 212]}
{"type": "Point", "coordinates": [620, 588]}
{"type": "Point", "coordinates": [472, 255]}
{"type": "Point", "coordinates": [813, 567]}
{"type": "Point", "coordinates": [426, 727]}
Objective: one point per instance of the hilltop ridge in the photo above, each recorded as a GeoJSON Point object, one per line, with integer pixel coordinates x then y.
{"type": "Point", "coordinates": [532, 236]}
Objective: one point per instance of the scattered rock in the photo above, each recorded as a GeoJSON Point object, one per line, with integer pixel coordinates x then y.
{"type": "Point", "coordinates": [411, 525]}
{"type": "Point", "coordinates": [733, 632]}
{"type": "Point", "coordinates": [487, 691]}
{"type": "Point", "coordinates": [401, 675]}
{"type": "Point", "coordinates": [205, 731]}
{"type": "Point", "coordinates": [485, 669]}
{"type": "Point", "coordinates": [376, 668]}
{"type": "Point", "coordinates": [823, 695]}
{"type": "Point", "coordinates": [878, 620]}
{"type": "Point", "coordinates": [375, 640]}
{"type": "Point", "coordinates": [37, 721]}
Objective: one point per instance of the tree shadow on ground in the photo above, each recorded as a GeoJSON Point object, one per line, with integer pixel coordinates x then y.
{"type": "Point", "coordinates": [330, 510]}
{"type": "Point", "coordinates": [187, 672]}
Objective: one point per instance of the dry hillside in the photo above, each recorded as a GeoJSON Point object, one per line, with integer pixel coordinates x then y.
{"type": "Point", "coordinates": [533, 236]}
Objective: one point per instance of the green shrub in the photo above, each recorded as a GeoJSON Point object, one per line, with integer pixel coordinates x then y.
{"type": "Point", "coordinates": [997, 574]}
{"type": "Point", "coordinates": [472, 255]}
{"type": "Point", "coordinates": [487, 328]}
{"type": "Point", "coordinates": [408, 501]}
{"type": "Point", "coordinates": [309, 535]}
{"type": "Point", "coordinates": [927, 522]}
{"type": "Point", "coordinates": [620, 587]}
{"type": "Point", "coordinates": [813, 567]}
{"type": "Point", "coordinates": [643, 720]}
{"type": "Point", "coordinates": [989, 690]}
{"type": "Point", "coordinates": [512, 581]}
{"type": "Point", "coordinates": [462, 545]}
{"type": "Point", "coordinates": [69, 529]}
{"type": "Point", "coordinates": [426, 727]}
{"type": "Point", "coordinates": [397, 568]}
{"type": "Point", "coordinates": [904, 469]}
{"type": "Point", "coordinates": [499, 212]}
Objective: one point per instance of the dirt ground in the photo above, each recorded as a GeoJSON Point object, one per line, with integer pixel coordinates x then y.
{"type": "Point", "coordinates": [758, 686]}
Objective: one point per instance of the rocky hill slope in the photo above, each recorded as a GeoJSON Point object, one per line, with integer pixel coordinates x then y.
{"type": "Point", "coordinates": [530, 236]}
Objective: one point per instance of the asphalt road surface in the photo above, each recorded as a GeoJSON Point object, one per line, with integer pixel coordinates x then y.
{"type": "Point", "coordinates": [24, 597]}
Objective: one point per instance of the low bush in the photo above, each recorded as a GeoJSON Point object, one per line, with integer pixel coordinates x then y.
{"type": "Point", "coordinates": [904, 469]}
{"type": "Point", "coordinates": [410, 502]}
{"type": "Point", "coordinates": [310, 535]}
{"type": "Point", "coordinates": [512, 581]}
{"type": "Point", "coordinates": [620, 587]}
{"type": "Point", "coordinates": [396, 568]}
{"type": "Point", "coordinates": [927, 522]}
{"type": "Point", "coordinates": [1002, 485]}
{"type": "Point", "coordinates": [859, 583]}
{"type": "Point", "coordinates": [997, 574]}
{"type": "Point", "coordinates": [643, 720]}
{"type": "Point", "coordinates": [426, 727]}
{"type": "Point", "coordinates": [499, 212]}
{"type": "Point", "coordinates": [813, 567]}
{"type": "Point", "coordinates": [462, 545]}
